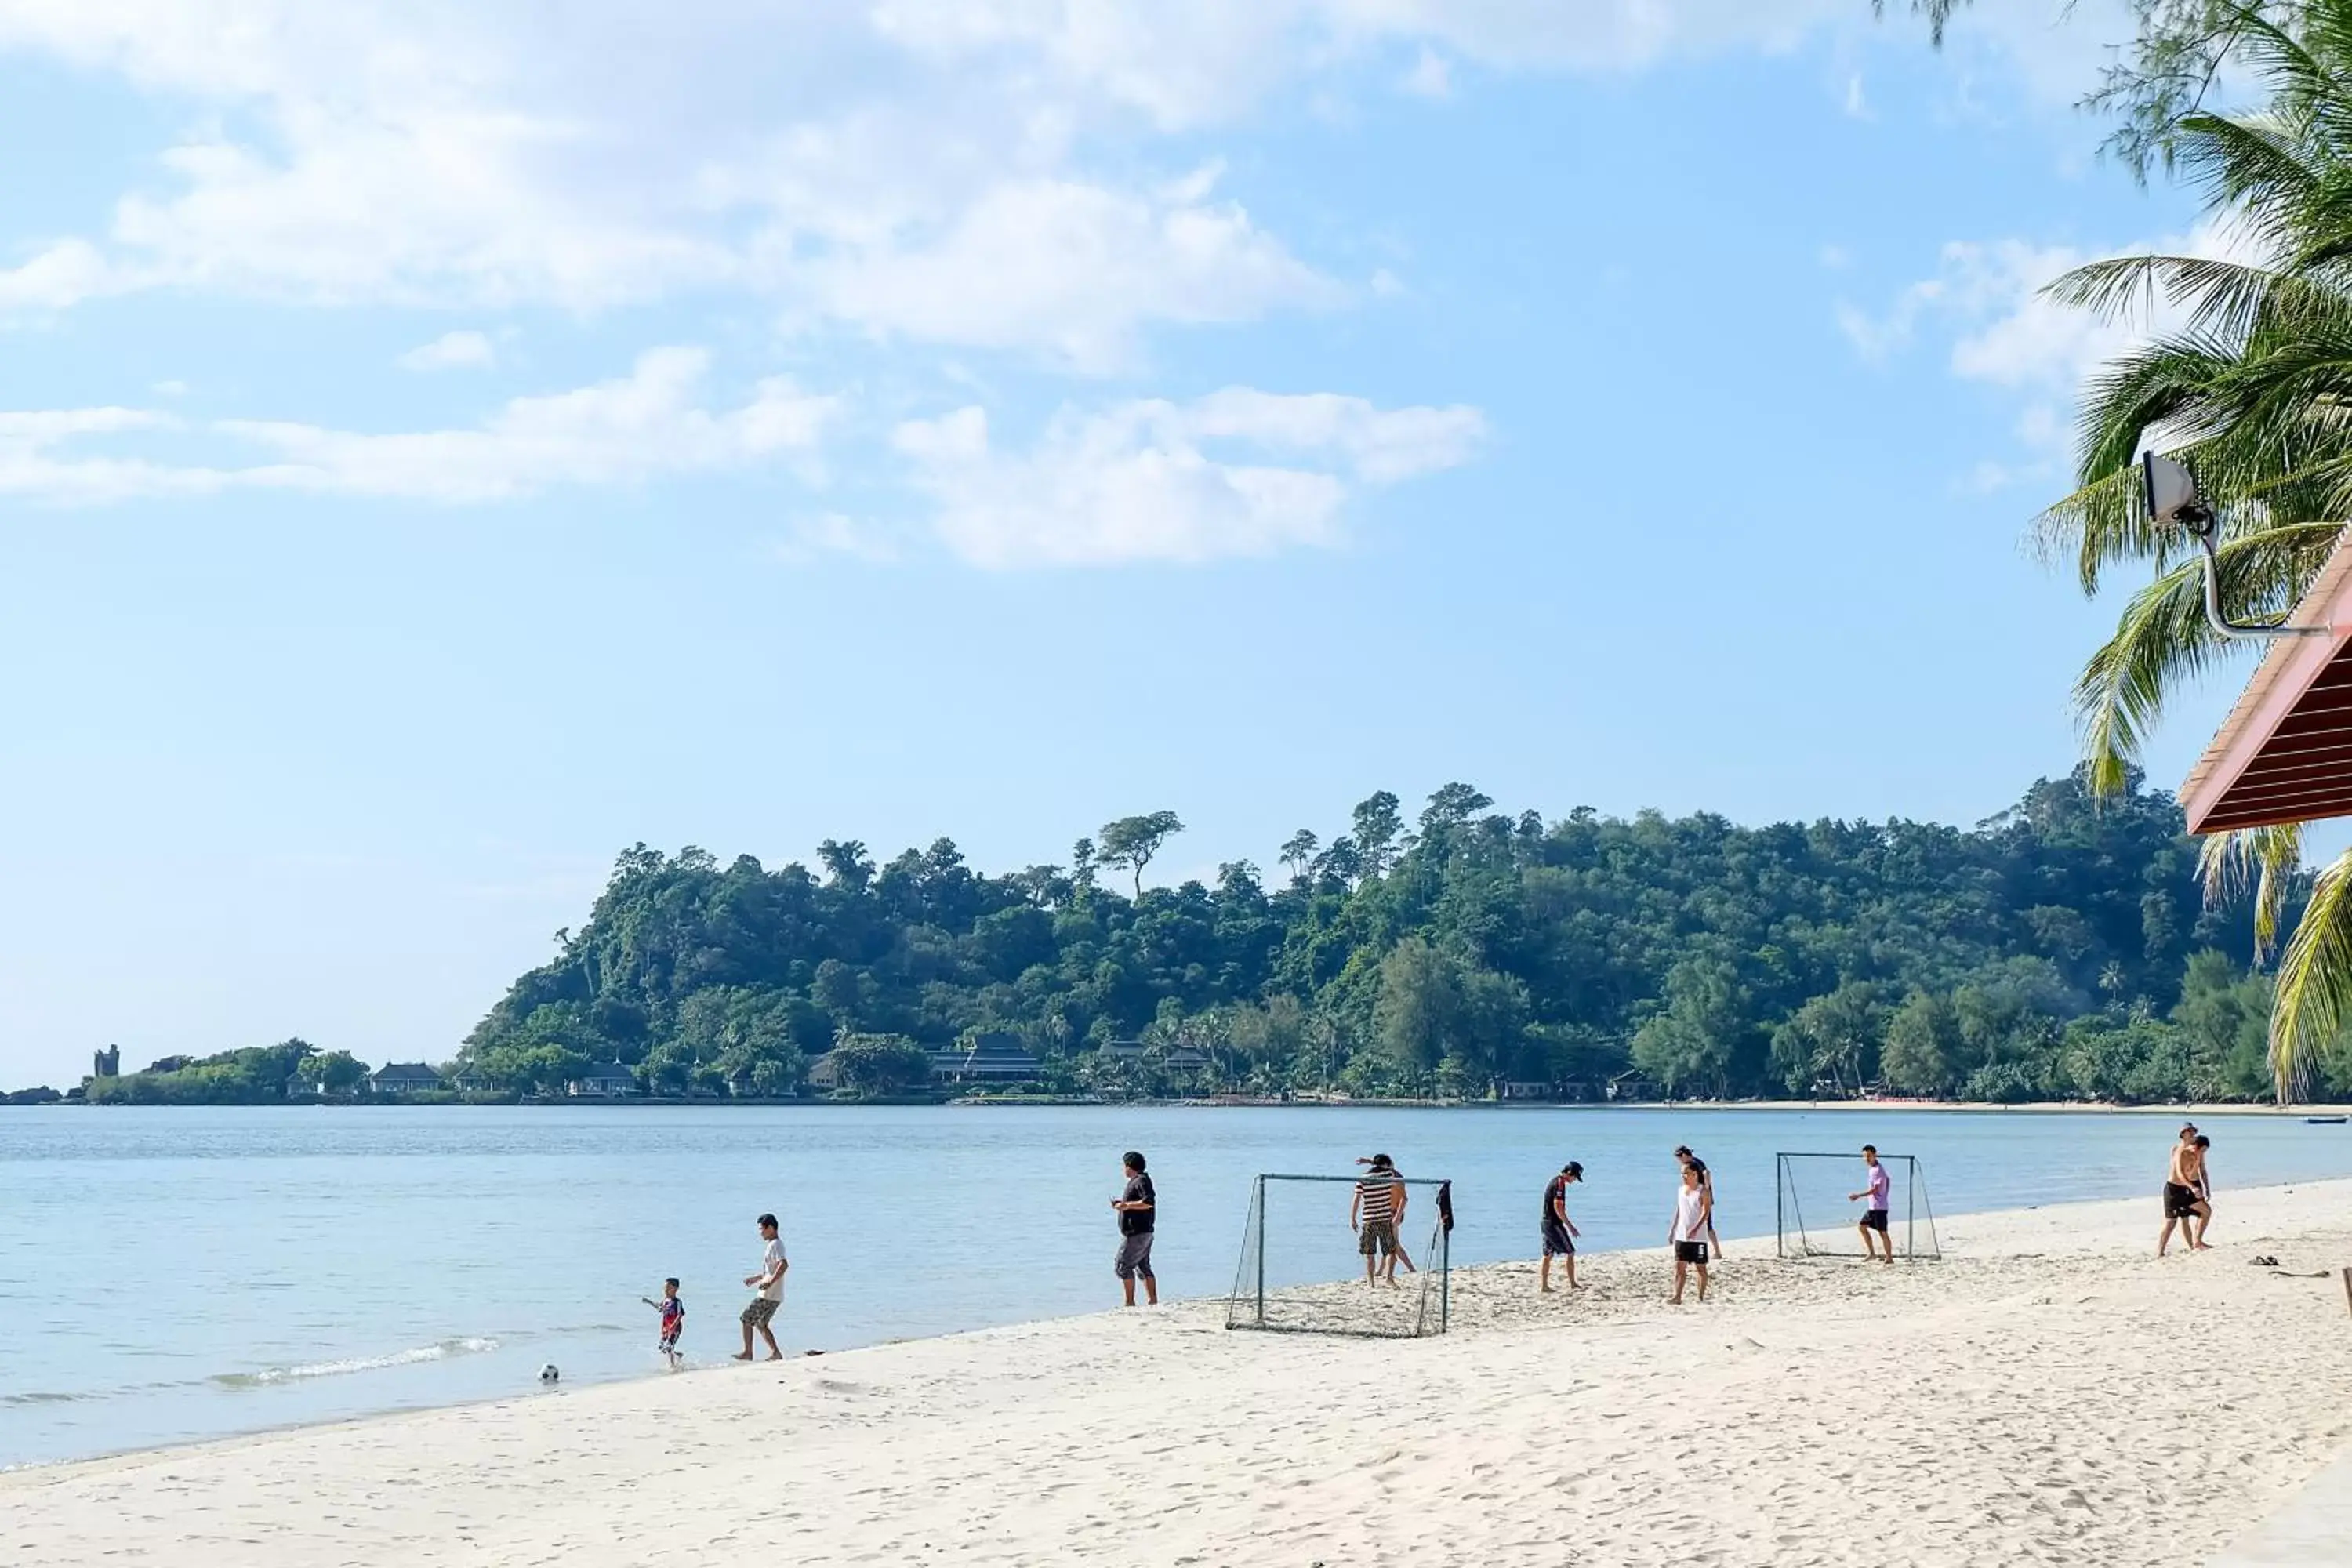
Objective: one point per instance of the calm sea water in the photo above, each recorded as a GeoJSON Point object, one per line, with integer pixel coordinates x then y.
{"type": "Point", "coordinates": [172, 1275]}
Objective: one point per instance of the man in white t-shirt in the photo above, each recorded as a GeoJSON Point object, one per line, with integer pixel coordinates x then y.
{"type": "Point", "coordinates": [760, 1311]}
{"type": "Point", "coordinates": [1875, 1186]}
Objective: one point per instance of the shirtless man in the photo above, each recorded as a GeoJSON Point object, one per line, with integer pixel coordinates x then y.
{"type": "Point", "coordinates": [2202, 1185]}
{"type": "Point", "coordinates": [2184, 1197]}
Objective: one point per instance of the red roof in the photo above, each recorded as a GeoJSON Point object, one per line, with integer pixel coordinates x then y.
{"type": "Point", "coordinates": [2284, 754]}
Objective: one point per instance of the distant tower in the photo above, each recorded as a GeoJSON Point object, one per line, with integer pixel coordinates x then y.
{"type": "Point", "coordinates": [107, 1063]}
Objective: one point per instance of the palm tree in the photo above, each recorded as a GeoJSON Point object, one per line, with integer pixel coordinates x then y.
{"type": "Point", "coordinates": [2251, 375]}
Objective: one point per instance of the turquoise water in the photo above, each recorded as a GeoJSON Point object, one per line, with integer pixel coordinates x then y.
{"type": "Point", "coordinates": [172, 1275]}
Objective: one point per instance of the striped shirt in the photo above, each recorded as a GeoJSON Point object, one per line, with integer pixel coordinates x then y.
{"type": "Point", "coordinates": [1378, 1195]}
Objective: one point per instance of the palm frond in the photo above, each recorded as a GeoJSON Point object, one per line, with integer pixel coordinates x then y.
{"type": "Point", "coordinates": [2255, 168]}
{"type": "Point", "coordinates": [2313, 995]}
{"type": "Point", "coordinates": [2260, 861]}
{"type": "Point", "coordinates": [2164, 639]}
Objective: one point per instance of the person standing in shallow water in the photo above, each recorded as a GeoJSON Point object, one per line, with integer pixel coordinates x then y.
{"type": "Point", "coordinates": [1136, 1207]}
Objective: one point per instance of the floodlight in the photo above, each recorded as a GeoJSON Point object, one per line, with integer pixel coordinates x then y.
{"type": "Point", "coordinates": [2169, 488]}
{"type": "Point", "coordinates": [2171, 493]}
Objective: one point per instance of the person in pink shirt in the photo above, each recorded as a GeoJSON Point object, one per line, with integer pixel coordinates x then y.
{"type": "Point", "coordinates": [1873, 1218]}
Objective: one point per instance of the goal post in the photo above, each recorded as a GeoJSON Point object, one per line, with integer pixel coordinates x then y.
{"type": "Point", "coordinates": [1302, 1269]}
{"type": "Point", "coordinates": [1816, 1218]}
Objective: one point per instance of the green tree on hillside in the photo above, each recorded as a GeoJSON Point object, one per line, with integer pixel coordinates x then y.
{"type": "Point", "coordinates": [1131, 841]}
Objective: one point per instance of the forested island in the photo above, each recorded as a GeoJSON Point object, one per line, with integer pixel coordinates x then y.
{"type": "Point", "coordinates": [2060, 950]}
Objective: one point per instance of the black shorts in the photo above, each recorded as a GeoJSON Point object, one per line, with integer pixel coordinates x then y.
{"type": "Point", "coordinates": [1875, 1219]}
{"type": "Point", "coordinates": [1690, 1252]}
{"type": "Point", "coordinates": [2180, 1202]}
{"type": "Point", "coordinates": [1556, 1242]}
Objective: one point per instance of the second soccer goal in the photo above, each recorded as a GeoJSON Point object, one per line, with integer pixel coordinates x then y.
{"type": "Point", "coordinates": [1819, 1217]}
{"type": "Point", "coordinates": [1303, 1267]}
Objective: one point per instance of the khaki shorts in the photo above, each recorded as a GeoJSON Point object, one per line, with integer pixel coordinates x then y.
{"type": "Point", "coordinates": [760, 1312]}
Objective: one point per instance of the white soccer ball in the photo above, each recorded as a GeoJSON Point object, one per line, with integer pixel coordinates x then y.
{"type": "Point", "coordinates": [547, 1372]}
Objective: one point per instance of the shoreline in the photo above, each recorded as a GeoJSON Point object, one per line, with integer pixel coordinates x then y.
{"type": "Point", "coordinates": [2018, 1400]}
{"type": "Point", "coordinates": [2322, 1110]}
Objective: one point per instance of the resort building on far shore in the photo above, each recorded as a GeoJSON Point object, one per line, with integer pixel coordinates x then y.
{"type": "Point", "coordinates": [607, 1080]}
{"type": "Point", "coordinates": [991, 1057]}
{"type": "Point", "coordinates": [396, 1079]}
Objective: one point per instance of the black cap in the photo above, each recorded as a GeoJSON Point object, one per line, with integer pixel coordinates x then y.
{"type": "Point", "coordinates": [1572, 1171]}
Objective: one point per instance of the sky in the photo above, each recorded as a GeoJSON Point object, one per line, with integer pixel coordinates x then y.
{"type": "Point", "coordinates": [443, 445]}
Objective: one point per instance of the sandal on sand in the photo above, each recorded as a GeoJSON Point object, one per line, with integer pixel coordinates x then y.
{"type": "Point", "coordinates": [2263, 1260]}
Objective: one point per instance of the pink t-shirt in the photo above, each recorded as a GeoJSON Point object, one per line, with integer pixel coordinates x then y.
{"type": "Point", "coordinates": [1879, 1183]}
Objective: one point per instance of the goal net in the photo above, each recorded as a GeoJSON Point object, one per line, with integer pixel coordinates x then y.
{"type": "Point", "coordinates": [1302, 1269]}
{"type": "Point", "coordinates": [1819, 1218]}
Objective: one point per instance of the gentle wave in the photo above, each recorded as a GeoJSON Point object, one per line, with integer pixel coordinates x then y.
{"type": "Point", "coordinates": [37, 1397]}
{"type": "Point", "coordinates": [441, 1351]}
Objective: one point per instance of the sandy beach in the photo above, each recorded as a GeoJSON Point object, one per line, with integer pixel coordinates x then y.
{"type": "Point", "coordinates": [2048, 1392]}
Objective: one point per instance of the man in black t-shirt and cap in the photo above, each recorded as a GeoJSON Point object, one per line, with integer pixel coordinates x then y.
{"type": "Point", "coordinates": [1136, 1206]}
{"type": "Point", "coordinates": [1559, 1230]}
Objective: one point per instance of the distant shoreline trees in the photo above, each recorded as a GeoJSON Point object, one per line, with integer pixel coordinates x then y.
{"type": "Point", "coordinates": [2058, 952]}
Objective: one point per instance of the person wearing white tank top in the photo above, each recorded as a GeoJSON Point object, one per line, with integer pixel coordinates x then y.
{"type": "Point", "coordinates": [1692, 1216]}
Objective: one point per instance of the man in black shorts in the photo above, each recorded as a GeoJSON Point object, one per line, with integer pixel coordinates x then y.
{"type": "Point", "coordinates": [1875, 1186]}
{"type": "Point", "coordinates": [1683, 1156]}
{"type": "Point", "coordinates": [1136, 1207]}
{"type": "Point", "coordinates": [2184, 1192]}
{"type": "Point", "coordinates": [1559, 1230]}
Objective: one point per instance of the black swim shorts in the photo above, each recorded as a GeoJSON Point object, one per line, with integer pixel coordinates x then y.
{"type": "Point", "coordinates": [1556, 1242]}
{"type": "Point", "coordinates": [1875, 1219]}
{"type": "Point", "coordinates": [1690, 1252]}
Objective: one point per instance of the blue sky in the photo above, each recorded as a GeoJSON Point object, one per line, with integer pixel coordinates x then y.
{"type": "Point", "coordinates": [440, 447]}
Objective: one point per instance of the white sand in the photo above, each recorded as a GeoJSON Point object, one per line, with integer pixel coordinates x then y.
{"type": "Point", "coordinates": [2048, 1394]}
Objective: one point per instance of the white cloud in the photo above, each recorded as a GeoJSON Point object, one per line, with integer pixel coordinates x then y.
{"type": "Point", "coordinates": [451, 351]}
{"type": "Point", "coordinates": [1431, 76]}
{"type": "Point", "coordinates": [834, 534]}
{"type": "Point", "coordinates": [871, 165]}
{"type": "Point", "coordinates": [634, 427]}
{"type": "Point", "coordinates": [1986, 304]}
{"type": "Point", "coordinates": [1199, 64]}
{"type": "Point", "coordinates": [1237, 473]}
{"type": "Point", "coordinates": [1986, 298]}
{"type": "Point", "coordinates": [56, 277]}
{"type": "Point", "coordinates": [1072, 270]}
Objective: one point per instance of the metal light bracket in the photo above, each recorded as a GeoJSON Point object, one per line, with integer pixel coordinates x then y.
{"type": "Point", "coordinates": [2174, 501]}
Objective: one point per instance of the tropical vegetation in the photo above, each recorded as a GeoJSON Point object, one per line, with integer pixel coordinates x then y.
{"type": "Point", "coordinates": [2245, 371]}
{"type": "Point", "coordinates": [2061, 949]}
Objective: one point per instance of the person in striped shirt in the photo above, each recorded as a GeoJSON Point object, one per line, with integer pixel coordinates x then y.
{"type": "Point", "coordinates": [1374, 1214]}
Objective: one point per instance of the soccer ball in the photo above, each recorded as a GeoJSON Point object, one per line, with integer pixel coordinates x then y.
{"type": "Point", "coordinates": [547, 1373]}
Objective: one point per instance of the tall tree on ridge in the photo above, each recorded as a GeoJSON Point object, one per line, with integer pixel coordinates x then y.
{"type": "Point", "coordinates": [1131, 841]}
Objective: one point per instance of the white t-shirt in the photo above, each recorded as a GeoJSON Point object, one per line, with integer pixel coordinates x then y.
{"type": "Point", "coordinates": [1688, 1225]}
{"type": "Point", "coordinates": [772, 1262]}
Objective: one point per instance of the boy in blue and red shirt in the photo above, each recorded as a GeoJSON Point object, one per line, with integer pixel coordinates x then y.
{"type": "Point", "coordinates": [673, 1321]}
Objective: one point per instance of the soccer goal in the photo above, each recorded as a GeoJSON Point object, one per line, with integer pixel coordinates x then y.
{"type": "Point", "coordinates": [1302, 1269]}
{"type": "Point", "coordinates": [1818, 1220]}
